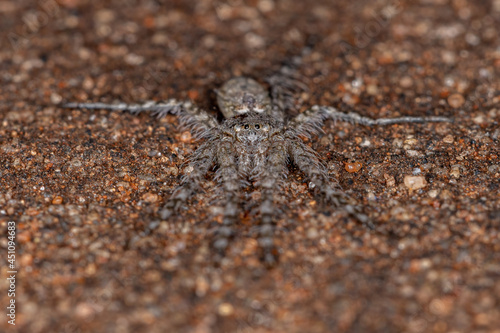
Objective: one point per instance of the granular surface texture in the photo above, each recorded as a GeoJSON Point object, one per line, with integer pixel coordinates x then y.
{"type": "Point", "coordinates": [86, 188]}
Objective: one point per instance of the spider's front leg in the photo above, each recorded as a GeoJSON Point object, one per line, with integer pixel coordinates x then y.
{"type": "Point", "coordinates": [191, 116]}
{"type": "Point", "coordinates": [309, 122]}
{"type": "Point", "coordinates": [354, 118]}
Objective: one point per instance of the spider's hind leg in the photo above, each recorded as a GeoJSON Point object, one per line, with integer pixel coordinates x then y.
{"type": "Point", "coordinates": [286, 85]}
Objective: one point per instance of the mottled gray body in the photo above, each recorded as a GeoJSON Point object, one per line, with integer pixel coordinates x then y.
{"type": "Point", "coordinates": [240, 95]}
{"type": "Point", "coordinates": [253, 146]}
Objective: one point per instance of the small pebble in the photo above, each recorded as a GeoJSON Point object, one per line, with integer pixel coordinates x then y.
{"type": "Point", "coordinates": [406, 82]}
{"type": "Point", "coordinates": [448, 139]}
{"type": "Point", "coordinates": [413, 153]}
{"type": "Point", "coordinates": [445, 194]}
{"type": "Point", "coordinates": [24, 237]}
{"type": "Point", "coordinates": [493, 168]}
{"type": "Point", "coordinates": [417, 265]}
{"type": "Point", "coordinates": [365, 143]}
{"type": "Point", "coordinates": [105, 16]}
{"type": "Point", "coordinates": [193, 94]}
{"type": "Point", "coordinates": [84, 310]}
{"type": "Point", "coordinates": [312, 233]}
{"type": "Point", "coordinates": [186, 136]}
{"type": "Point", "coordinates": [150, 197]}
{"type": "Point", "coordinates": [415, 182]}
{"type": "Point", "coordinates": [390, 181]}
{"type": "Point", "coordinates": [410, 141]}
{"type": "Point", "coordinates": [480, 119]}
{"type": "Point", "coordinates": [456, 100]}
{"type": "Point", "coordinates": [134, 59]}
{"type": "Point", "coordinates": [153, 225]}
{"type": "Point", "coordinates": [353, 167]}
{"type": "Point", "coordinates": [254, 41]}
{"type": "Point", "coordinates": [225, 309]}
{"type": "Point", "coordinates": [433, 193]}
{"type": "Point", "coordinates": [398, 143]}
{"type": "Point", "coordinates": [482, 319]}
{"type": "Point", "coordinates": [441, 306]}
{"type": "Point", "coordinates": [350, 99]}
{"type": "Point", "coordinates": [371, 89]}
{"type": "Point", "coordinates": [55, 98]}
{"type": "Point", "coordinates": [26, 260]}
{"type": "Point", "coordinates": [265, 5]}
{"type": "Point", "coordinates": [455, 171]}
{"type": "Point", "coordinates": [202, 287]}
{"type": "Point", "coordinates": [32, 212]}
{"type": "Point", "coordinates": [57, 200]}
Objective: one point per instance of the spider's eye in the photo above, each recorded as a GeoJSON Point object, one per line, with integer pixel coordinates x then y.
{"type": "Point", "coordinates": [246, 126]}
{"type": "Point", "coordinates": [257, 126]}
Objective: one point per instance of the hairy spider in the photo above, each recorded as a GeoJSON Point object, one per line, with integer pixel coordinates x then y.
{"type": "Point", "coordinates": [253, 145]}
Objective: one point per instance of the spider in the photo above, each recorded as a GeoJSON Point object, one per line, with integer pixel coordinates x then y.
{"type": "Point", "coordinates": [253, 145]}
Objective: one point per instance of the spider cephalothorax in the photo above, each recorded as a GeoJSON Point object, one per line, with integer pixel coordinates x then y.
{"type": "Point", "coordinates": [253, 145]}
{"type": "Point", "coordinates": [241, 95]}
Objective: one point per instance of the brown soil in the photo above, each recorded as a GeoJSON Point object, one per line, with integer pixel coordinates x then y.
{"type": "Point", "coordinates": [85, 188]}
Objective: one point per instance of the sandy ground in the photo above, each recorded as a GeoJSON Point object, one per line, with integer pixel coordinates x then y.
{"type": "Point", "coordinates": [85, 189]}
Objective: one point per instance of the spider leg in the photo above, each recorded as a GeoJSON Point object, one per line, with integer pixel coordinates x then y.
{"type": "Point", "coordinates": [191, 116]}
{"type": "Point", "coordinates": [329, 193]}
{"type": "Point", "coordinates": [199, 164]}
{"type": "Point", "coordinates": [227, 174]}
{"type": "Point", "coordinates": [270, 175]}
{"type": "Point", "coordinates": [354, 118]}
{"type": "Point", "coordinates": [286, 85]}
{"type": "Point", "coordinates": [308, 123]}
